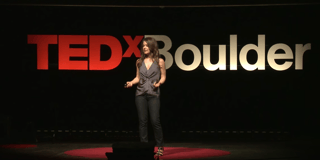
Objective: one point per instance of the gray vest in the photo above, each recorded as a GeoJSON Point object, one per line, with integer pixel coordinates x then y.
{"type": "Point", "coordinates": [147, 79]}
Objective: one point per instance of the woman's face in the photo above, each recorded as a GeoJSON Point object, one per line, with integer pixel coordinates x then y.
{"type": "Point", "coordinates": [145, 48]}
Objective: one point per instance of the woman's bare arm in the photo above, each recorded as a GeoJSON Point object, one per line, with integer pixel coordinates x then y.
{"type": "Point", "coordinates": [163, 73]}
{"type": "Point", "coordinates": [135, 79]}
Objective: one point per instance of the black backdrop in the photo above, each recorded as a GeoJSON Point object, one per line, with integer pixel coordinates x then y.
{"type": "Point", "coordinates": [194, 100]}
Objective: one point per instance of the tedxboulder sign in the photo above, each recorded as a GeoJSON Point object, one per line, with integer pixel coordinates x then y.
{"type": "Point", "coordinates": [95, 42]}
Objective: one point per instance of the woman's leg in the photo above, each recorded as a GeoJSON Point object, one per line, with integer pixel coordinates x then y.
{"type": "Point", "coordinates": [142, 108]}
{"type": "Point", "coordinates": [154, 110]}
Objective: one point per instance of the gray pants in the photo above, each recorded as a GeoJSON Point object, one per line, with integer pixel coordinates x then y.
{"type": "Point", "coordinates": [145, 103]}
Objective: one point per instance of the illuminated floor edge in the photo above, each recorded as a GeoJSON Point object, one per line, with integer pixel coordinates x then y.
{"type": "Point", "coordinates": [169, 152]}
{"type": "Point", "coordinates": [280, 150]}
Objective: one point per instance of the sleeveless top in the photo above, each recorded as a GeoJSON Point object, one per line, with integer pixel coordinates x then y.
{"type": "Point", "coordinates": [147, 79]}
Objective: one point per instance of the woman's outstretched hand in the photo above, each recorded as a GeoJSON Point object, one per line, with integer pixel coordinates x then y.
{"type": "Point", "coordinates": [128, 85]}
{"type": "Point", "coordinates": [156, 85]}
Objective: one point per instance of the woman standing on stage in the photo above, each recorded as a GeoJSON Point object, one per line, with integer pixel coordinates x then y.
{"type": "Point", "coordinates": [150, 75]}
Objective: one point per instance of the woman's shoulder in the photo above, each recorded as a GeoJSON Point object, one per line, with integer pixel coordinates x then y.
{"type": "Point", "coordinates": [161, 60]}
{"type": "Point", "coordinates": [138, 62]}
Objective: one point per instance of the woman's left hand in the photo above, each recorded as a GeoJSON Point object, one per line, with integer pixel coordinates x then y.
{"type": "Point", "coordinates": [156, 85]}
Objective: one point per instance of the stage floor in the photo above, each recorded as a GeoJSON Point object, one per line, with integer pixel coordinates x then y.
{"type": "Point", "coordinates": [244, 150]}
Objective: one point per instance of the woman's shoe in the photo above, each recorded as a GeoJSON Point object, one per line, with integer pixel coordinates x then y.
{"type": "Point", "coordinates": [160, 151]}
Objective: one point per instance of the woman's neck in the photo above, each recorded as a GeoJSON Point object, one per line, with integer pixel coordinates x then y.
{"type": "Point", "coordinates": [147, 56]}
